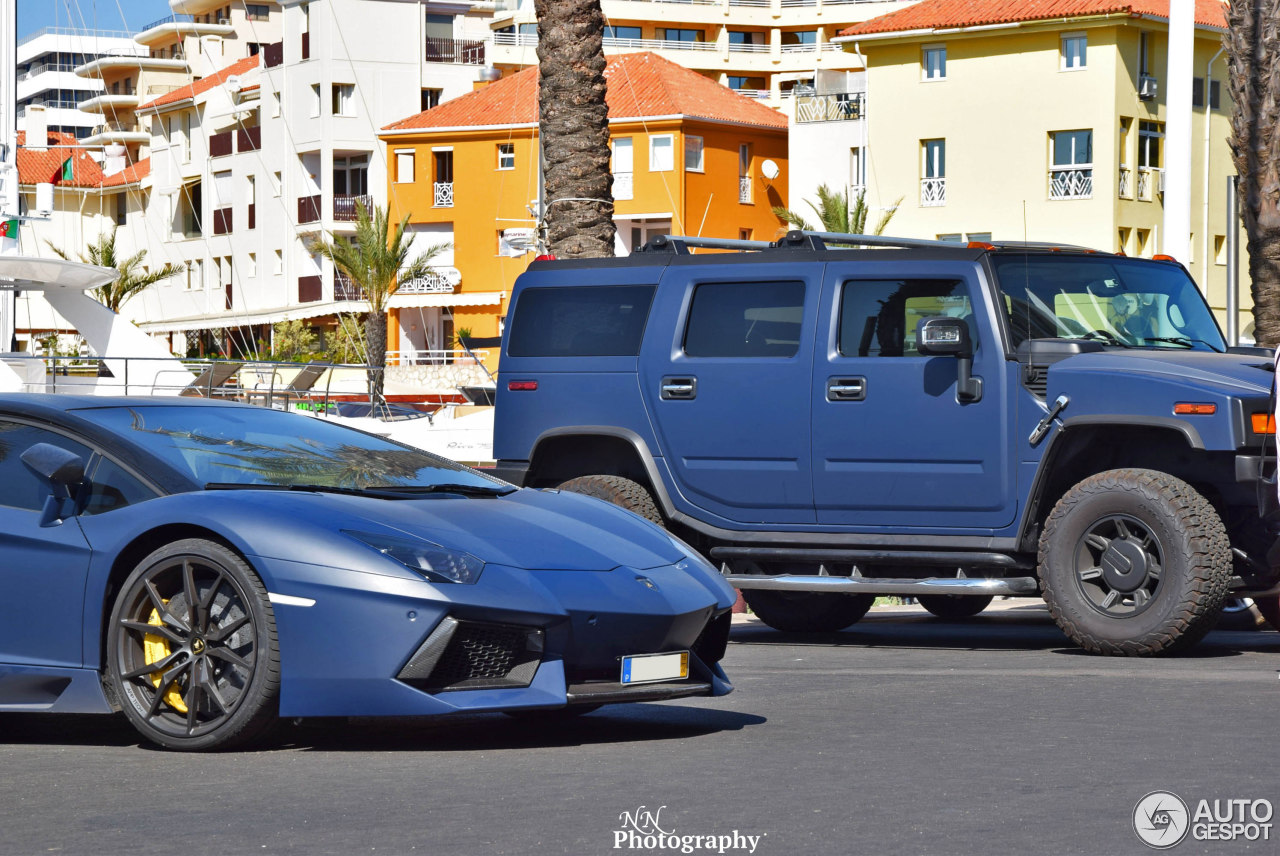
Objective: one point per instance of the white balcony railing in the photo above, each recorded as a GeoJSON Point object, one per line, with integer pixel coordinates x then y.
{"type": "Point", "coordinates": [1071, 182]}
{"type": "Point", "coordinates": [444, 194]}
{"type": "Point", "coordinates": [436, 281]}
{"type": "Point", "coordinates": [933, 192]}
{"type": "Point", "coordinates": [753, 93]}
{"type": "Point", "coordinates": [744, 189]}
{"type": "Point", "coordinates": [530, 40]}
{"type": "Point", "coordinates": [1126, 183]}
{"type": "Point", "coordinates": [623, 185]}
{"type": "Point", "coordinates": [811, 47]}
{"type": "Point", "coordinates": [1148, 182]}
{"type": "Point", "coordinates": [836, 107]}
{"type": "Point", "coordinates": [746, 48]}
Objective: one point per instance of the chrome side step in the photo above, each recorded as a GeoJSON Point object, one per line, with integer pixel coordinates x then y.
{"type": "Point", "coordinates": [868, 585]}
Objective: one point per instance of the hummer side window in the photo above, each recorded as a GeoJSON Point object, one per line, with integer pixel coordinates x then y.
{"type": "Point", "coordinates": [745, 319]}
{"type": "Point", "coordinates": [878, 317]}
{"type": "Point", "coordinates": [580, 321]}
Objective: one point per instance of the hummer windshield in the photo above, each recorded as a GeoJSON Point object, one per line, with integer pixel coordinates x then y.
{"type": "Point", "coordinates": [1131, 303]}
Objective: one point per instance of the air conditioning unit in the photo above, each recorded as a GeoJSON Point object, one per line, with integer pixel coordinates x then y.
{"type": "Point", "coordinates": [1148, 87]}
{"type": "Point", "coordinates": [224, 22]}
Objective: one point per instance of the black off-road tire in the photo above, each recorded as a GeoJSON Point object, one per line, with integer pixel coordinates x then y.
{"type": "Point", "coordinates": [954, 606]}
{"type": "Point", "coordinates": [217, 683]}
{"type": "Point", "coordinates": [801, 611]}
{"type": "Point", "coordinates": [619, 490]}
{"type": "Point", "coordinates": [1134, 562]}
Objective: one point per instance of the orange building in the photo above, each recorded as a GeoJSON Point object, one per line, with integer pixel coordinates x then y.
{"type": "Point", "coordinates": [690, 157]}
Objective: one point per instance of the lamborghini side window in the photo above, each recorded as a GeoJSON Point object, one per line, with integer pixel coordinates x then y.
{"type": "Point", "coordinates": [20, 487]}
{"type": "Point", "coordinates": [111, 488]}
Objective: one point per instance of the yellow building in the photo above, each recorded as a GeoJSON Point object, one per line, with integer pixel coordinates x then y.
{"type": "Point", "coordinates": [1001, 120]}
{"type": "Point", "coordinates": [690, 157]}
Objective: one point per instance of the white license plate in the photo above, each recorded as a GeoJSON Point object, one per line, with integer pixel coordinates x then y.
{"type": "Point", "coordinates": [647, 668]}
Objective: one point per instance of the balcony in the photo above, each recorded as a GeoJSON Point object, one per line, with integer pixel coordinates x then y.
{"type": "Point", "coordinates": [460, 51]}
{"type": "Point", "coordinates": [273, 55]}
{"type": "Point", "coordinates": [760, 94]}
{"type": "Point", "coordinates": [1126, 183]}
{"type": "Point", "coordinates": [109, 103]}
{"type": "Point", "coordinates": [623, 185]}
{"type": "Point", "coordinates": [345, 289]}
{"type": "Point", "coordinates": [249, 139]}
{"type": "Point", "coordinates": [221, 145]}
{"type": "Point", "coordinates": [222, 221]}
{"type": "Point", "coordinates": [443, 194]}
{"type": "Point", "coordinates": [1071, 182]}
{"type": "Point", "coordinates": [310, 289]}
{"type": "Point", "coordinates": [748, 48]}
{"type": "Point", "coordinates": [1150, 180]}
{"type": "Point", "coordinates": [933, 192]}
{"type": "Point", "coordinates": [309, 209]}
{"type": "Point", "coordinates": [837, 107]}
{"type": "Point", "coordinates": [99, 67]}
{"type": "Point", "coordinates": [744, 189]}
{"type": "Point", "coordinates": [181, 25]}
{"type": "Point", "coordinates": [345, 207]}
{"type": "Point", "coordinates": [530, 40]}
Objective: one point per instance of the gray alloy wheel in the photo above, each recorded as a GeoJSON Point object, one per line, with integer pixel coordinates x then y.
{"type": "Point", "coordinates": [191, 654]}
{"type": "Point", "coordinates": [1134, 562]}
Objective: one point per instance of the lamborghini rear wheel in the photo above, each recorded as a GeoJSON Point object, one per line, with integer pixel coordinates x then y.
{"type": "Point", "coordinates": [191, 648]}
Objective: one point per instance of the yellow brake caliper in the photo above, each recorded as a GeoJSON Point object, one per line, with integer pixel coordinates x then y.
{"type": "Point", "coordinates": [155, 648]}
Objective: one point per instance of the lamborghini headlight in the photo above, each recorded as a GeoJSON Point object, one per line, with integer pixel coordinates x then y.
{"type": "Point", "coordinates": [438, 564]}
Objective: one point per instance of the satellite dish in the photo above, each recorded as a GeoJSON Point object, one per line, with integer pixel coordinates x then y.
{"type": "Point", "coordinates": [769, 170]}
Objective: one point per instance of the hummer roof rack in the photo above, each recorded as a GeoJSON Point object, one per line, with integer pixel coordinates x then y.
{"type": "Point", "coordinates": [812, 240]}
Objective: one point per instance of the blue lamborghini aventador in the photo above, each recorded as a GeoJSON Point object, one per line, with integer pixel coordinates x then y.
{"type": "Point", "coordinates": [208, 567]}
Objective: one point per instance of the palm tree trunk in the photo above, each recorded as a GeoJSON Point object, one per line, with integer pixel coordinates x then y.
{"type": "Point", "coordinates": [375, 336]}
{"type": "Point", "coordinates": [574, 128]}
{"type": "Point", "coordinates": [1254, 80]}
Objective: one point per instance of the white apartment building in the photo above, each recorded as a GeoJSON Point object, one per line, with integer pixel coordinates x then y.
{"type": "Point", "coordinates": [47, 62]}
{"type": "Point", "coordinates": [248, 131]}
{"type": "Point", "coordinates": [760, 48]}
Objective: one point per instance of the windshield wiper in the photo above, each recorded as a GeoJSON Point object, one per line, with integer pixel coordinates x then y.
{"type": "Point", "coordinates": [464, 489]}
{"type": "Point", "coordinates": [1181, 340]}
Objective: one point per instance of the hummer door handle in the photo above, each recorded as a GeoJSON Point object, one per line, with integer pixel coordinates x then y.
{"type": "Point", "coordinates": [846, 389]}
{"type": "Point", "coordinates": [678, 388]}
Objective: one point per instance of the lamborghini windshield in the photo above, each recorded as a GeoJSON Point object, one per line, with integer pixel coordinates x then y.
{"type": "Point", "coordinates": [258, 446]}
{"type": "Point", "coordinates": [1131, 303]}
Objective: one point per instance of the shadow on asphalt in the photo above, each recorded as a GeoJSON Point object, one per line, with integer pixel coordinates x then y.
{"type": "Point", "coordinates": [1021, 629]}
{"type": "Point", "coordinates": [624, 723]}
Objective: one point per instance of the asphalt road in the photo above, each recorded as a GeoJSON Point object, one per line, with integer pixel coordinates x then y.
{"type": "Point", "coordinates": [901, 735]}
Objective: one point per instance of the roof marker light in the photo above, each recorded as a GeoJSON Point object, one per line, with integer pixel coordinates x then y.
{"type": "Point", "coordinates": [545, 257]}
{"type": "Point", "coordinates": [981, 245]}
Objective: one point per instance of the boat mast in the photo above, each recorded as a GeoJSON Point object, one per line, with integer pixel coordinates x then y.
{"type": "Point", "coordinates": [8, 154]}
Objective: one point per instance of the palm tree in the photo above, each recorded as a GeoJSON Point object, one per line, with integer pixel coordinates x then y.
{"type": "Point", "coordinates": [835, 214]}
{"type": "Point", "coordinates": [573, 126]}
{"type": "Point", "coordinates": [376, 260]}
{"type": "Point", "coordinates": [132, 279]}
{"type": "Point", "coordinates": [1253, 31]}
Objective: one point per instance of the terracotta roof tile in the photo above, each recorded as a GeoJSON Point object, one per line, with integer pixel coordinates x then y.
{"type": "Point", "coordinates": [640, 85]}
{"type": "Point", "coordinates": [945, 14]}
{"type": "Point", "coordinates": [204, 84]}
{"type": "Point", "coordinates": [39, 167]}
{"type": "Point", "coordinates": [131, 174]}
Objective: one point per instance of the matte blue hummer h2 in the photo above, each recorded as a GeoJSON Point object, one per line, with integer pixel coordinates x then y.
{"type": "Point", "coordinates": [834, 417]}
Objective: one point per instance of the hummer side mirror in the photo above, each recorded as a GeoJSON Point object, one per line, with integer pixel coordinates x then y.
{"type": "Point", "coordinates": [941, 336]}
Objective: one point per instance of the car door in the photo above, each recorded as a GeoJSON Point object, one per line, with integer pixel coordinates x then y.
{"type": "Point", "coordinates": [42, 568]}
{"type": "Point", "coordinates": [893, 445]}
{"type": "Point", "coordinates": [727, 385]}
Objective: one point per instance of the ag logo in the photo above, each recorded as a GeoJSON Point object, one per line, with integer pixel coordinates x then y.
{"type": "Point", "coordinates": [1161, 819]}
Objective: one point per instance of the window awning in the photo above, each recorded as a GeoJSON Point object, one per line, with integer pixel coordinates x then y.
{"type": "Point", "coordinates": [250, 319]}
{"type": "Point", "coordinates": [474, 298]}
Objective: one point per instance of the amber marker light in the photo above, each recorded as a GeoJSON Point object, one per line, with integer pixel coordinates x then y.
{"type": "Point", "coordinates": [1263, 423]}
{"type": "Point", "coordinates": [1189, 408]}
